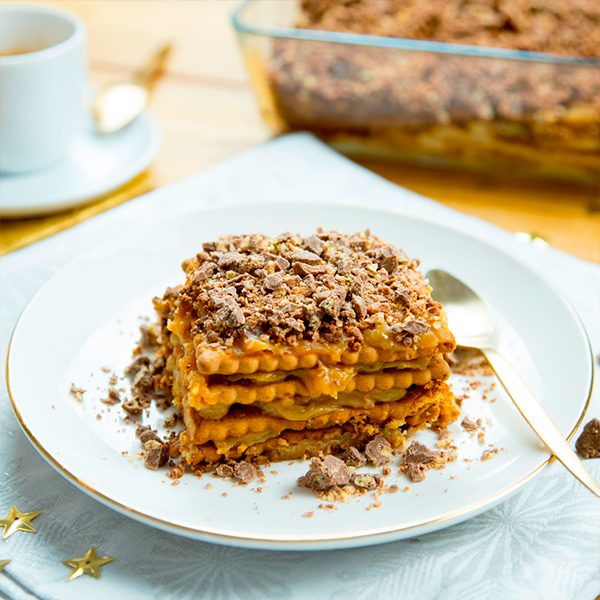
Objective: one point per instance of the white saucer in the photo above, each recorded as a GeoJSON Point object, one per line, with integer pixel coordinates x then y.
{"type": "Point", "coordinates": [96, 165]}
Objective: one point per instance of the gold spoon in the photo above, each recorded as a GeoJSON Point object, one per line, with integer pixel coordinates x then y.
{"type": "Point", "coordinates": [117, 104]}
{"type": "Point", "coordinates": [473, 325]}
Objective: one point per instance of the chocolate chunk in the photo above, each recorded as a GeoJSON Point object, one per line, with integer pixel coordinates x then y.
{"type": "Point", "coordinates": [304, 256]}
{"type": "Point", "coordinates": [314, 244]}
{"type": "Point", "coordinates": [419, 453]}
{"type": "Point", "coordinates": [156, 454]}
{"type": "Point", "coordinates": [325, 473]}
{"type": "Point", "coordinates": [224, 471]}
{"type": "Point", "coordinates": [230, 315]}
{"type": "Point", "coordinates": [415, 327]}
{"type": "Point", "coordinates": [366, 480]}
{"type": "Point", "coordinates": [469, 424]}
{"type": "Point", "coordinates": [416, 460]}
{"type": "Point", "coordinates": [141, 363]}
{"type": "Point", "coordinates": [588, 443]}
{"type": "Point", "coordinates": [353, 457]}
{"type": "Point", "coordinates": [379, 451]}
{"type": "Point", "coordinates": [414, 471]}
{"type": "Point", "coordinates": [76, 392]}
{"type": "Point", "coordinates": [359, 306]}
{"type": "Point", "coordinates": [273, 281]}
{"type": "Point", "coordinates": [331, 305]}
{"type": "Point", "coordinates": [282, 263]}
{"type": "Point", "coordinates": [240, 263]}
{"type": "Point", "coordinates": [148, 337]}
{"type": "Point", "coordinates": [304, 269]}
{"type": "Point", "coordinates": [148, 435]}
{"type": "Point", "coordinates": [113, 396]}
{"type": "Point", "coordinates": [132, 407]}
{"type": "Point", "coordinates": [209, 246]}
{"type": "Point", "coordinates": [244, 471]}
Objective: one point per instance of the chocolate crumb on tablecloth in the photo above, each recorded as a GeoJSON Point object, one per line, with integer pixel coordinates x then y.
{"type": "Point", "coordinates": [309, 514]}
{"type": "Point", "coordinates": [379, 451]}
{"type": "Point", "coordinates": [113, 380]}
{"type": "Point", "coordinates": [354, 457]}
{"type": "Point", "coordinates": [416, 460]}
{"type": "Point", "coordinates": [588, 443]}
{"type": "Point", "coordinates": [76, 392]}
{"type": "Point", "coordinates": [156, 454]}
{"type": "Point", "coordinates": [324, 473]}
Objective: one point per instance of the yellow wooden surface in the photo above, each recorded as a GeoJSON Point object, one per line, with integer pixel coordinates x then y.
{"type": "Point", "coordinates": [208, 113]}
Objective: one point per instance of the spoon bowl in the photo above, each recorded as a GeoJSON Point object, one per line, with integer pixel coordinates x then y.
{"type": "Point", "coordinates": [473, 325]}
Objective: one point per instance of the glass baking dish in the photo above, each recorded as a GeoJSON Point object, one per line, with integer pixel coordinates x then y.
{"type": "Point", "coordinates": [486, 109]}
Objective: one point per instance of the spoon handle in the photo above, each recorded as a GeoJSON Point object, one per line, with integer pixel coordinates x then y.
{"type": "Point", "coordinates": [538, 419]}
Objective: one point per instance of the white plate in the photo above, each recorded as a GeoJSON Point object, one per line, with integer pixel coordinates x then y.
{"type": "Point", "coordinates": [87, 316]}
{"type": "Point", "coordinates": [96, 164]}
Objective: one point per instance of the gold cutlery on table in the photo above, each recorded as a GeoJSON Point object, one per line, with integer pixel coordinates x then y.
{"type": "Point", "coordinates": [117, 104]}
{"type": "Point", "coordinates": [473, 325]}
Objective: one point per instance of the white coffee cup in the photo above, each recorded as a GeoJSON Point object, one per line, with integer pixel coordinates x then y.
{"type": "Point", "coordinates": [42, 80]}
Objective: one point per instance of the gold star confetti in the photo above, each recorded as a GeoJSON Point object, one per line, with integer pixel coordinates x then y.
{"type": "Point", "coordinates": [89, 564]}
{"type": "Point", "coordinates": [3, 564]}
{"type": "Point", "coordinates": [18, 521]}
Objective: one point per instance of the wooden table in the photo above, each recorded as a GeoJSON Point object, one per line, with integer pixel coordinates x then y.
{"type": "Point", "coordinates": [208, 113]}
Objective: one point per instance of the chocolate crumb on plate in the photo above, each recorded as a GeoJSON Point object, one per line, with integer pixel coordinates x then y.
{"type": "Point", "coordinates": [156, 454]}
{"type": "Point", "coordinates": [325, 472]}
{"type": "Point", "coordinates": [489, 454]}
{"type": "Point", "coordinates": [417, 459]}
{"type": "Point", "coordinates": [224, 471]}
{"type": "Point", "coordinates": [470, 425]}
{"type": "Point", "coordinates": [76, 392]}
{"type": "Point", "coordinates": [379, 451]}
{"type": "Point", "coordinates": [132, 407]}
{"type": "Point", "coordinates": [244, 471]}
{"type": "Point", "coordinates": [354, 457]}
{"type": "Point", "coordinates": [366, 480]}
{"type": "Point", "coordinates": [588, 443]}
{"type": "Point", "coordinates": [113, 396]}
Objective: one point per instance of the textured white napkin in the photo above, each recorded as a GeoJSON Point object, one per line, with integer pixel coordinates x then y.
{"type": "Point", "coordinates": [543, 543]}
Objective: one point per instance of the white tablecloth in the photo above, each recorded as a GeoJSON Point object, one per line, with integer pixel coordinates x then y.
{"type": "Point", "coordinates": [543, 543]}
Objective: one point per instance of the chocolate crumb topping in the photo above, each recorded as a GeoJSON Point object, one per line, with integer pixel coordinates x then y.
{"type": "Point", "coordinates": [327, 287]}
{"type": "Point", "coordinates": [156, 454]}
{"type": "Point", "coordinates": [379, 451]}
{"type": "Point", "coordinates": [354, 458]}
{"type": "Point", "coordinates": [588, 443]}
{"type": "Point", "coordinates": [325, 472]}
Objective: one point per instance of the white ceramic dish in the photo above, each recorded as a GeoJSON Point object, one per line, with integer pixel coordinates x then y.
{"type": "Point", "coordinates": [86, 317]}
{"type": "Point", "coordinates": [95, 165]}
